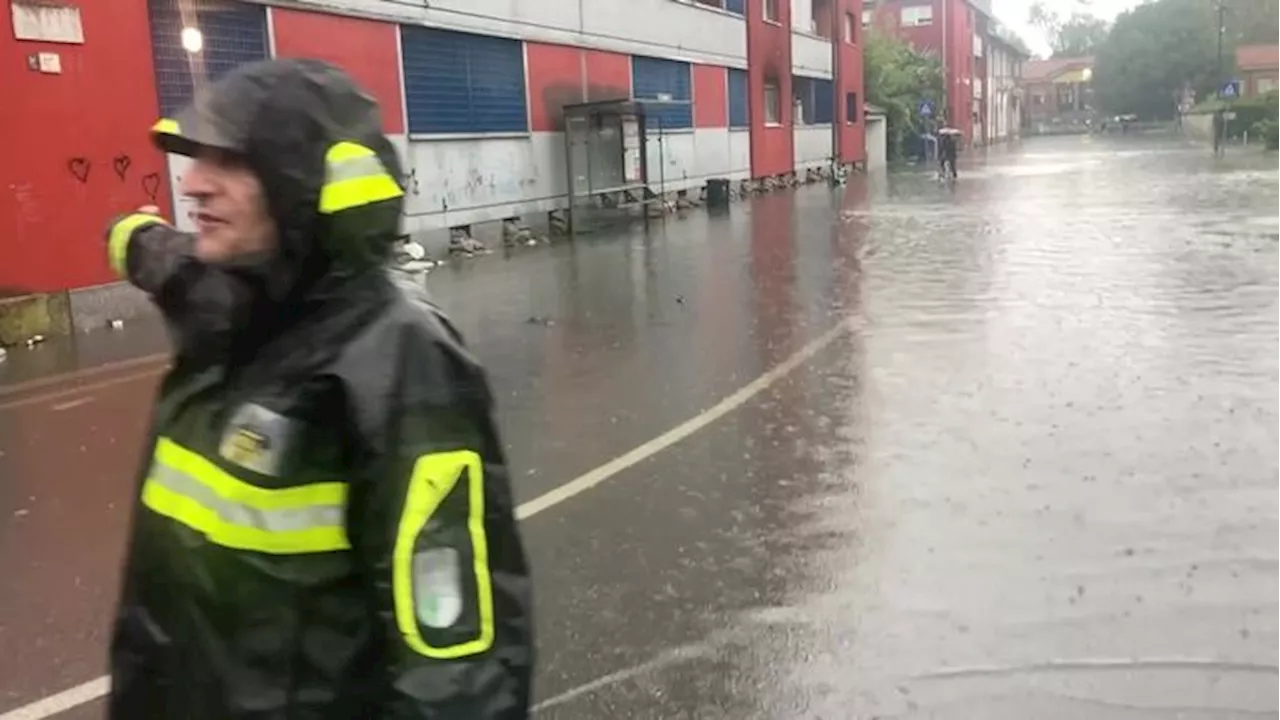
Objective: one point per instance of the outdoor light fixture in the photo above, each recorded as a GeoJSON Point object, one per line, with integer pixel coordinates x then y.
{"type": "Point", "coordinates": [192, 40]}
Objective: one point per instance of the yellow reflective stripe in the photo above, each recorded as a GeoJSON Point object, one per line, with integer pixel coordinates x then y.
{"type": "Point", "coordinates": [189, 489]}
{"type": "Point", "coordinates": [121, 232]}
{"type": "Point", "coordinates": [354, 176]}
{"type": "Point", "coordinates": [434, 477]}
{"type": "Point", "coordinates": [165, 126]}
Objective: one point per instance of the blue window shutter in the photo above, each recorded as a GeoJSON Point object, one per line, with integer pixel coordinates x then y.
{"type": "Point", "coordinates": [234, 33]}
{"type": "Point", "coordinates": [461, 83]}
{"type": "Point", "coordinates": [823, 103]}
{"type": "Point", "coordinates": [651, 77]}
{"type": "Point", "coordinates": [735, 6]}
{"type": "Point", "coordinates": [739, 108]}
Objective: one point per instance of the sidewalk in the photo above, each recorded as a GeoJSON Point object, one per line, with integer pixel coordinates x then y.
{"type": "Point", "coordinates": [59, 356]}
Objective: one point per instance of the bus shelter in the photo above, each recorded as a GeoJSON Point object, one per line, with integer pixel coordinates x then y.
{"type": "Point", "coordinates": [615, 158]}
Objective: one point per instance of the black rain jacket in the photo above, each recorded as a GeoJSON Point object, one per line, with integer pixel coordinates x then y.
{"type": "Point", "coordinates": [324, 526]}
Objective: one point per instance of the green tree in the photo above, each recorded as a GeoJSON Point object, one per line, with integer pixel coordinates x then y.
{"type": "Point", "coordinates": [1161, 47]}
{"type": "Point", "coordinates": [1153, 51]}
{"type": "Point", "coordinates": [1251, 22]}
{"type": "Point", "coordinates": [897, 78]}
{"type": "Point", "coordinates": [1074, 35]}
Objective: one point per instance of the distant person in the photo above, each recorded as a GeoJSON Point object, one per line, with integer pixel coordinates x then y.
{"type": "Point", "coordinates": [947, 152]}
{"type": "Point", "coordinates": [324, 527]}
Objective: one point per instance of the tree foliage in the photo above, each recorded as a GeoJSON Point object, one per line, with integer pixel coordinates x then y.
{"type": "Point", "coordinates": [1250, 22]}
{"type": "Point", "coordinates": [1152, 52]}
{"type": "Point", "coordinates": [1159, 48]}
{"type": "Point", "coordinates": [897, 78]}
{"type": "Point", "coordinates": [1072, 35]}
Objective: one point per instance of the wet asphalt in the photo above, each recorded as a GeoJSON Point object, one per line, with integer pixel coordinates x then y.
{"type": "Point", "coordinates": [1028, 470]}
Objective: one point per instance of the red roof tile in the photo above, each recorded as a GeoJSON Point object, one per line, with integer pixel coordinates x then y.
{"type": "Point", "coordinates": [1257, 57]}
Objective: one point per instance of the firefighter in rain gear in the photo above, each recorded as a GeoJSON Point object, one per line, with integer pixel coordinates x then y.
{"type": "Point", "coordinates": [324, 527]}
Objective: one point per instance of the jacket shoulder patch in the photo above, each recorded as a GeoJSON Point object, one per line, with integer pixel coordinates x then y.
{"type": "Point", "coordinates": [257, 439]}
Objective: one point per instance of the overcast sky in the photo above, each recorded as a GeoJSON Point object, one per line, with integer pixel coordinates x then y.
{"type": "Point", "coordinates": [1014, 14]}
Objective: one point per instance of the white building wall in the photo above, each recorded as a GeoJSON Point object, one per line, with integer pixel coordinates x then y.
{"type": "Point", "coordinates": [660, 28]}
{"type": "Point", "coordinates": [1003, 74]}
{"type": "Point", "coordinates": [812, 146]}
{"type": "Point", "coordinates": [877, 143]}
{"type": "Point", "coordinates": [479, 178]}
{"type": "Point", "coordinates": [721, 153]}
{"type": "Point", "coordinates": [810, 55]}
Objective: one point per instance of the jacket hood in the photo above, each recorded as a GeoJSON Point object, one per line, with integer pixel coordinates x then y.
{"type": "Point", "coordinates": [331, 177]}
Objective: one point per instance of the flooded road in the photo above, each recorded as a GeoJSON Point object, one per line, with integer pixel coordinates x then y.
{"type": "Point", "coordinates": [1006, 449]}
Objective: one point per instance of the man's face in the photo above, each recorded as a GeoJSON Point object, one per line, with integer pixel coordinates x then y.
{"type": "Point", "coordinates": [231, 216]}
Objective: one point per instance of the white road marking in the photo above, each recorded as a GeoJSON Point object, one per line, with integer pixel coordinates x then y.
{"type": "Point", "coordinates": [62, 702]}
{"type": "Point", "coordinates": [70, 404]}
{"type": "Point", "coordinates": [88, 692]}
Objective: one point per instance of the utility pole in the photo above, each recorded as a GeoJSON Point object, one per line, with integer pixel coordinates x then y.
{"type": "Point", "coordinates": [1220, 127]}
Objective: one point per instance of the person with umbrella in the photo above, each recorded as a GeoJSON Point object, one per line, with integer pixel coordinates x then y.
{"type": "Point", "coordinates": [948, 147]}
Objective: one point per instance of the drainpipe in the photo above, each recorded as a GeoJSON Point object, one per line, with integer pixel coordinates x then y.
{"type": "Point", "coordinates": [837, 37]}
{"type": "Point", "coordinates": [946, 62]}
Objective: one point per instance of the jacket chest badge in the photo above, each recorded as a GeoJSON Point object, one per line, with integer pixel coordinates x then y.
{"type": "Point", "coordinates": [257, 439]}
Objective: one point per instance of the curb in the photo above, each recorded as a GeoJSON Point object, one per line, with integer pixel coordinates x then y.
{"type": "Point", "coordinates": [26, 316]}
{"type": "Point", "coordinates": [22, 317]}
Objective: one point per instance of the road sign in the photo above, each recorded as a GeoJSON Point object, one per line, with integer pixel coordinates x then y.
{"type": "Point", "coordinates": [1230, 90]}
{"type": "Point", "coordinates": [926, 108]}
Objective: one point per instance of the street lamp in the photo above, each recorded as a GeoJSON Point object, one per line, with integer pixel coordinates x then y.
{"type": "Point", "coordinates": [192, 40]}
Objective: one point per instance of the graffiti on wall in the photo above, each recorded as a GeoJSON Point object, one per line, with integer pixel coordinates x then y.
{"type": "Point", "coordinates": [81, 168]}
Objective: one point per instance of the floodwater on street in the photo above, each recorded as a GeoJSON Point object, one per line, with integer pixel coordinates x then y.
{"type": "Point", "coordinates": [1002, 449]}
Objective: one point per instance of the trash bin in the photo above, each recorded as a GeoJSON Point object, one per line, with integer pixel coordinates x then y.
{"type": "Point", "coordinates": [718, 193]}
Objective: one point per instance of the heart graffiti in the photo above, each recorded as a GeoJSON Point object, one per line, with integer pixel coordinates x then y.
{"type": "Point", "coordinates": [121, 164]}
{"type": "Point", "coordinates": [151, 185]}
{"type": "Point", "coordinates": [79, 167]}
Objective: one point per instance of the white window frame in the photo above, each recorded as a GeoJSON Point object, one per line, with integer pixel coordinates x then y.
{"type": "Point", "coordinates": [772, 103]}
{"type": "Point", "coordinates": [867, 17]}
{"type": "Point", "coordinates": [850, 29]}
{"type": "Point", "coordinates": [916, 16]}
{"type": "Point", "coordinates": [772, 11]}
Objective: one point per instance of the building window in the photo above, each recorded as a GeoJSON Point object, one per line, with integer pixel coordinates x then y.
{"type": "Point", "coordinates": [739, 104]}
{"type": "Point", "coordinates": [866, 18]}
{"type": "Point", "coordinates": [736, 7]}
{"type": "Point", "coordinates": [1066, 96]}
{"type": "Point", "coordinates": [850, 29]}
{"type": "Point", "coordinates": [659, 79]}
{"type": "Point", "coordinates": [1264, 85]}
{"type": "Point", "coordinates": [772, 103]}
{"type": "Point", "coordinates": [850, 108]}
{"type": "Point", "coordinates": [232, 33]}
{"type": "Point", "coordinates": [771, 13]}
{"type": "Point", "coordinates": [917, 15]}
{"type": "Point", "coordinates": [461, 83]}
{"type": "Point", "coordinates": [820, 19]}
{"type": "Point", "coordinates": [813, 100]}
{"type": "Point", "coordinates": [823, 101]}
{"type": "Point", "coordinates": [977, 45]}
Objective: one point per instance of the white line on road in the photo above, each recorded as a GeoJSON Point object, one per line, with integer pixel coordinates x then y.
{"type": "Point", "coordinates": [62, 702]}
{"type": "Point", "coordinates": [88, 692]}
{"type": "Point", "coordinates": [70, 404]}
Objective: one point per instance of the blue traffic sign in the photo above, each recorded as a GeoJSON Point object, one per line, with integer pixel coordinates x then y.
{"type": "Point", "coordinates": [926, 108]}
{"type": "Point", "coordinates": [1230, 89]}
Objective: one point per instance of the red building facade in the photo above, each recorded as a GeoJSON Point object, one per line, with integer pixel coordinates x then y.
{"type": "Point", "coordinates": [83, 155]}
{"type": "Point", "coordinates": [955, 30]}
